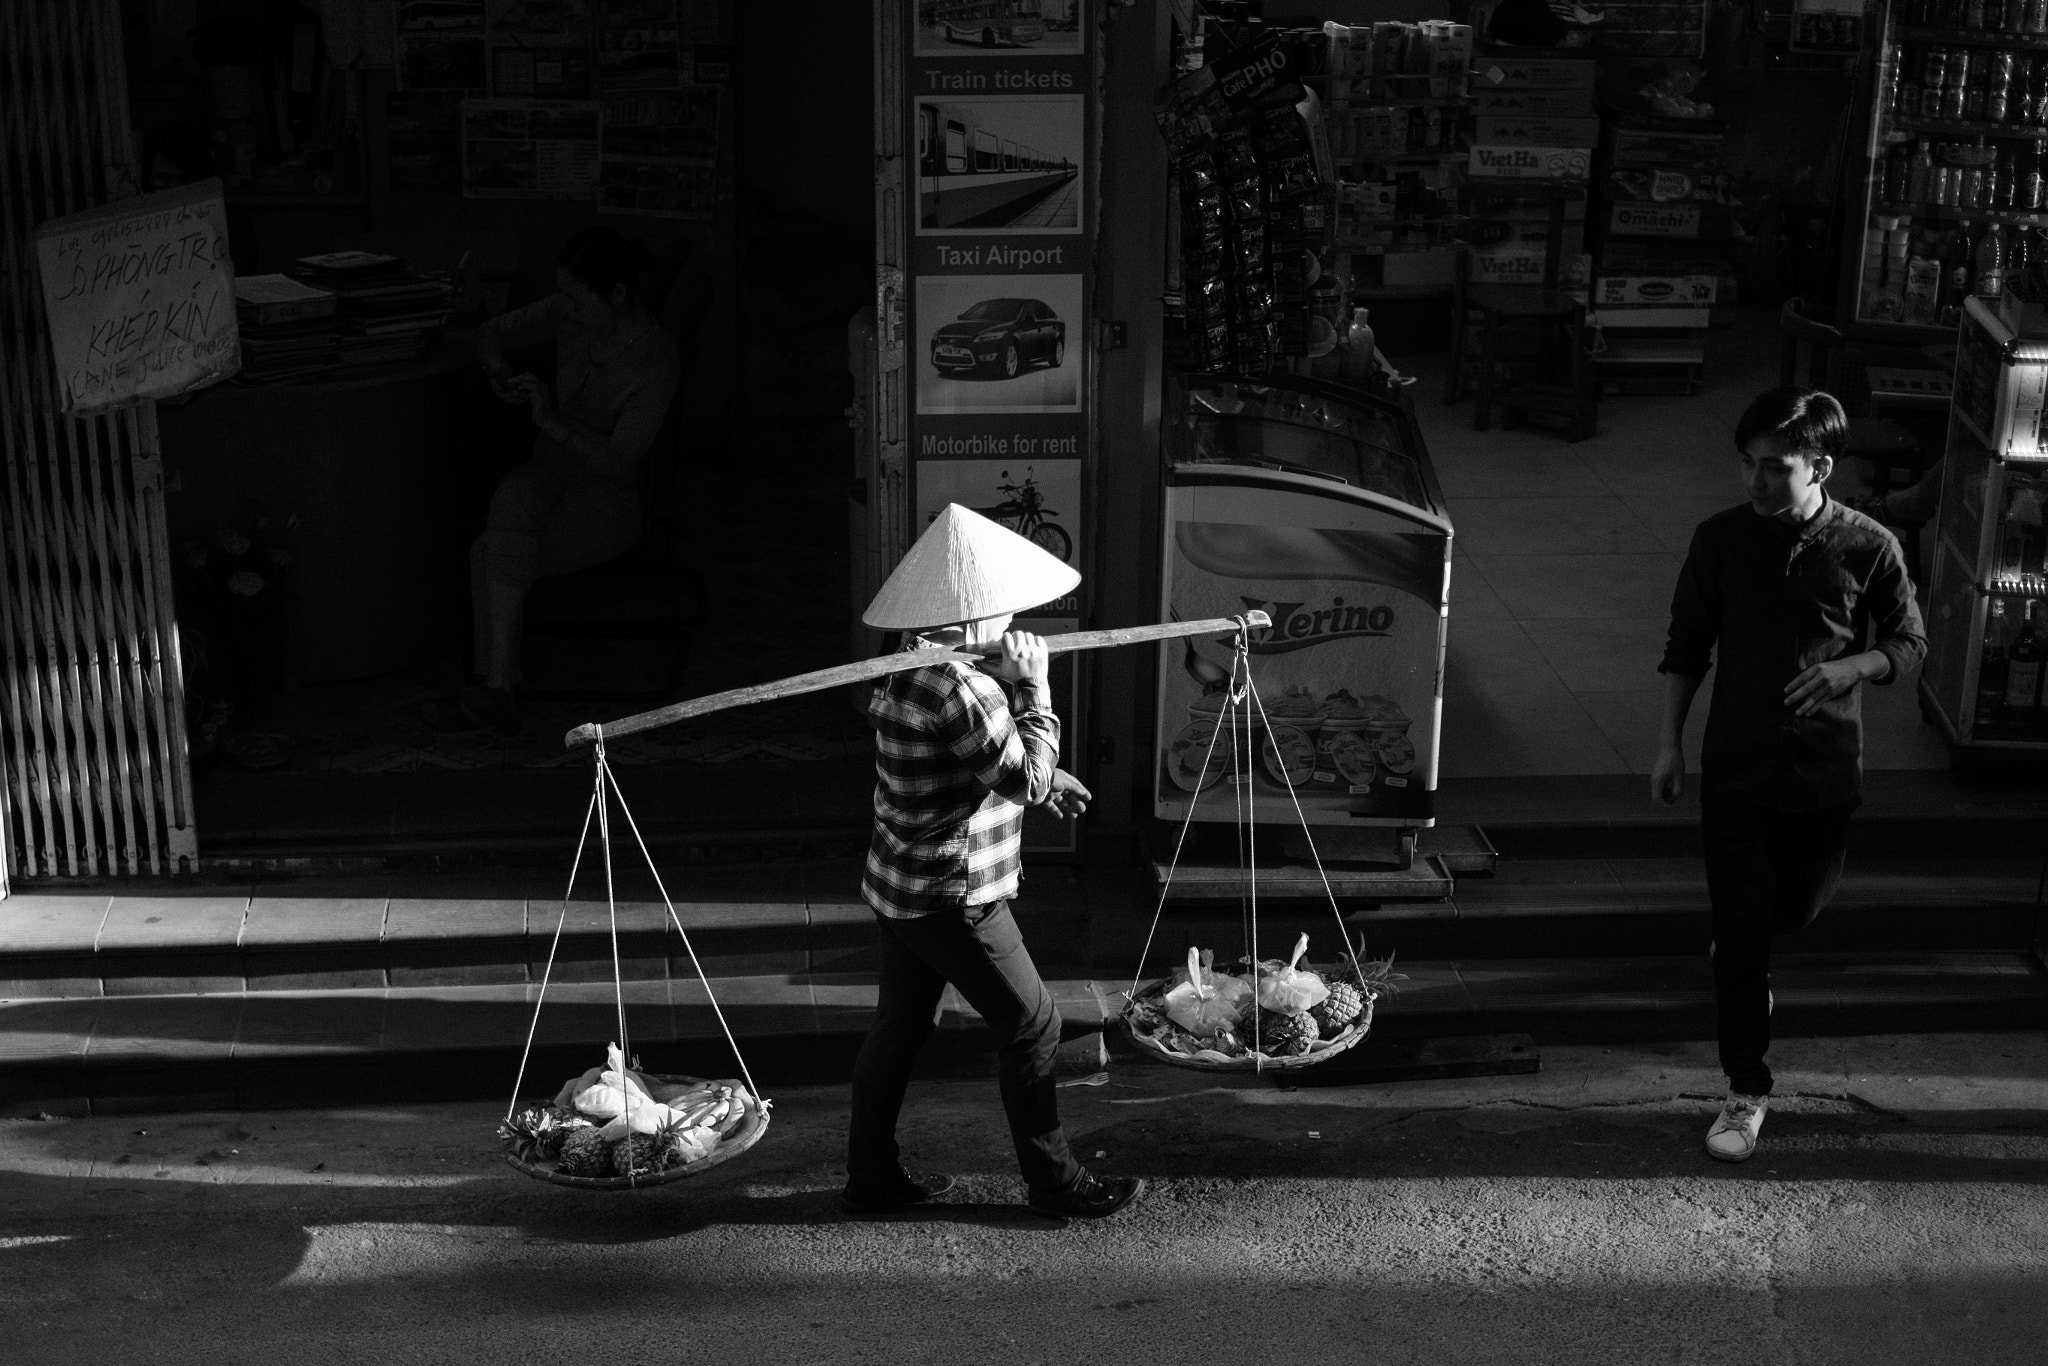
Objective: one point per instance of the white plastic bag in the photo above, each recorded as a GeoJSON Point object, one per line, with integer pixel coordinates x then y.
{"type": "Point", "coordinates": [1206, 1002]}
{"type": "Point", "coordinates": [1288, 989]}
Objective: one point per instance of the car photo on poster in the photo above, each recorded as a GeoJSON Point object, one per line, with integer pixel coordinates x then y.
{"type": "Point", "coordinates": [994, 164]}
{"type": "Point", "coordinates": [998, 343]}
{"type": "Point", "coordinates": [999, 338]}
{"type": "Point", "coordinates": [1003, 27]}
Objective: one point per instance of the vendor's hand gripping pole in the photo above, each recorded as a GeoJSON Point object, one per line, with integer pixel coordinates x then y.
{"type": "Point", "coordinates": [863, 670]}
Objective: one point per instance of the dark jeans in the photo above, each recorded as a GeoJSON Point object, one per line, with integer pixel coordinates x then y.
{"type": "Point", "coordinates": [978, 950]}
{"type": "Point", "coordinates": [1768, 873]}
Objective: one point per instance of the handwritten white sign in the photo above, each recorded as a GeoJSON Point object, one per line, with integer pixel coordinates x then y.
{"type": "Point", "coordinates": [141, 298]}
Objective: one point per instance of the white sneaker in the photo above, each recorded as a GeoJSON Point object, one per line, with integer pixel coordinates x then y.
{"type": "Point", "coordinates": [1733, 1137]}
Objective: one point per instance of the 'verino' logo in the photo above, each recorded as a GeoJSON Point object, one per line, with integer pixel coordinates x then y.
{"type": "Point", "coordinates": [1296, 625]}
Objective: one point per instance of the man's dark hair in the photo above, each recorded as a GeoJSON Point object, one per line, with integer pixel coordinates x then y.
{"type": "Point", "coordinates": [605, 258]}
{"type": "Point", "coordinates": [1805, 422]}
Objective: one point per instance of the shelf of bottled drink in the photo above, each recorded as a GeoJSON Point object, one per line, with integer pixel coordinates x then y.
{"type": "Point", "coordinates": [2032, 42]}
{"type": "Point", "coordinates": [2019, 218]}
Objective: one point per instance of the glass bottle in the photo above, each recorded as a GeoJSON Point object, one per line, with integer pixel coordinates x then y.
{"type": "Point", "coordinates": [1956, 267]}
{"type": "Point", "coordinates": [1998, 181]}
{"type": "Point", "coordinates": [1920, 175]}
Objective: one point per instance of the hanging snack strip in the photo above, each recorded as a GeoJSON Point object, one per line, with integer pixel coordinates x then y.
{"type": "Point", "coordinates": [1275, 1014]}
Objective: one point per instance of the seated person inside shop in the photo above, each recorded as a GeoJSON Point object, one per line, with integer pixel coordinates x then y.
{"type": "Point", "coordinates": [576, 502]}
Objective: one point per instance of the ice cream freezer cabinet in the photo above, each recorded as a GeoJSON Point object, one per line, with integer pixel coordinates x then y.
{"type": "Point", "coordinates": [1315, 504]}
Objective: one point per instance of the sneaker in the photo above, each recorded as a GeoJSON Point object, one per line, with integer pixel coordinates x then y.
{"type": "Point", "coordinates": [1090, 1197]}
{"type": "Point", "coordinates": [1733, 1137]}
{"type": "Point", "coordinates": [915, 1186]}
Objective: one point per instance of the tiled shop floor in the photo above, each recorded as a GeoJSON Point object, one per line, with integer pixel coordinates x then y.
{"type": "Point", "coordinates": [1567, 553]}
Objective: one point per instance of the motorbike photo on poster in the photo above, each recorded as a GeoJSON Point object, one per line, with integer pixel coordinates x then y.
{"type": "Point", "coordinates": [1023, 511]}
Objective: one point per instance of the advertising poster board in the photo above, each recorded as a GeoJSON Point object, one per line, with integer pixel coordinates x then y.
{"type": "Point", "coordinates": [999, 130]}
{"type": "Point", "coordinates": [140, 297]}
{"type": "Point", "coordinates": [1348, 675]}
{"type": "Point", "coordinates": [529, 149]}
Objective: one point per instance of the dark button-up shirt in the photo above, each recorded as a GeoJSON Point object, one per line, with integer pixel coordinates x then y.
{"type": "Point", "coordinates": [1777, 599]}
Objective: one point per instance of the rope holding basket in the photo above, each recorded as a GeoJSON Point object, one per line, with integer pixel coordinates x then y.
{"type": "Point", "coordinates": [619, 1097]}
{"type": "Point", "coordinates": [1240, 1045]}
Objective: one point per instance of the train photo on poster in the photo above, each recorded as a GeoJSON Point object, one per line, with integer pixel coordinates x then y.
{"type": "Point", "coordinates": [987, 165]}
{"type": "Point", "coordinates": [984, 23]}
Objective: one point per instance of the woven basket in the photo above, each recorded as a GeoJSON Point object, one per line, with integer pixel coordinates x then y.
{"type": "Point", "coordinates": [1208, 1060]}
{"type": "Point", "coordinates": [751, 1126]}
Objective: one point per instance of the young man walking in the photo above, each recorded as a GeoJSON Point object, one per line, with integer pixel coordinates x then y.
{"type": "Point", "coordinates": [1805, 600]}
{"type": "Point", "coordinates": [959, 754]}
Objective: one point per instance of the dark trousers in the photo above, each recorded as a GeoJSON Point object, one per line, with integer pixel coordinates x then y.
{"type": "Point", "coordinates": [978, 950]}
{"type": "Point", "coordinates": [1768, 873]}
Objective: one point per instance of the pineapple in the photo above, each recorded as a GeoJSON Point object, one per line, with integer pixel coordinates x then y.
{"type": "Point", "coordinates": [646, 1154]}
{"type": "Point", "coordinates": [1340, 1009]}
{"type": "Point", "coordinates": [533, 1135]}
{"type": "Point", "coordinates": [1285, 1036]}
{"type": "Point", "coordinates": [586, 1152]}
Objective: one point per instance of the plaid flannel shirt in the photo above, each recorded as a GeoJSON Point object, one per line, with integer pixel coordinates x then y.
{"type": "Point", "coordinates": [956, 763]}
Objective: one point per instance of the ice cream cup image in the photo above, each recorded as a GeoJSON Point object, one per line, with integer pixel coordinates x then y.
{"type": "Point", "coordinates": [1287, 754]}
{"type": "Point", "coordinates": [1383, 718]}
{"type": "Point", "coordinates": [1298, 708]}
{"type": "Point", "coordinates": [1197, 757]}
{"type": "Point", "coordinates": [1346, 754]}
{"type": "Point", "coordinates": [1396, 753]}
{"type": "Point", "coordinates": [1341, 715]}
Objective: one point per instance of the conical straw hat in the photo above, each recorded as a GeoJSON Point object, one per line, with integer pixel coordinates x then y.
{"type": "Point", "coordinates": [964, 568]}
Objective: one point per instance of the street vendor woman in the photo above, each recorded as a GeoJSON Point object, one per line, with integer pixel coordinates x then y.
{"type": "Point", "coordinates": [960, 752]}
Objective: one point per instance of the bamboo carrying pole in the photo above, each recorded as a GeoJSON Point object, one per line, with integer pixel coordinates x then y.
{"type": "Point", "coordinates": [860, 671]}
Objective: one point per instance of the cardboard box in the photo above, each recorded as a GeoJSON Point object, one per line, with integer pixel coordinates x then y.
{"type": "Point", "coordinates": [1529, 163]}
{"type": "Point", "coordinates": [1495, 234]}
{"type": "Point", "coordinates": [1654, 291]}
{"type": "Point", "coordinates": [1664, 185]}
{"type": "Point", "coordinates": [1533, 104]}
{"type": "Point", "coordinates": [1653, 147]}
{"type": "Point", "coordinates": [1522, 263]}
{"type": "Point", "coordinates": [1531, 71]}
{"type": "Point", "coordinates": [1535, 131]}
{"type": "Point", "coordinates": [1505, 206]}
{"type": "Point", "coordinates": [1668, 220]}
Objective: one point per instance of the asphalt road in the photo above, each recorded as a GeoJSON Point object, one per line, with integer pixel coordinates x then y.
{"type": "Point", "coordinates": [1899, 1212]}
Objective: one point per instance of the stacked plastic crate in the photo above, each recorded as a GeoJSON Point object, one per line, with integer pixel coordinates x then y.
{"type": "Point", "coordinates": [1662, 212]}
